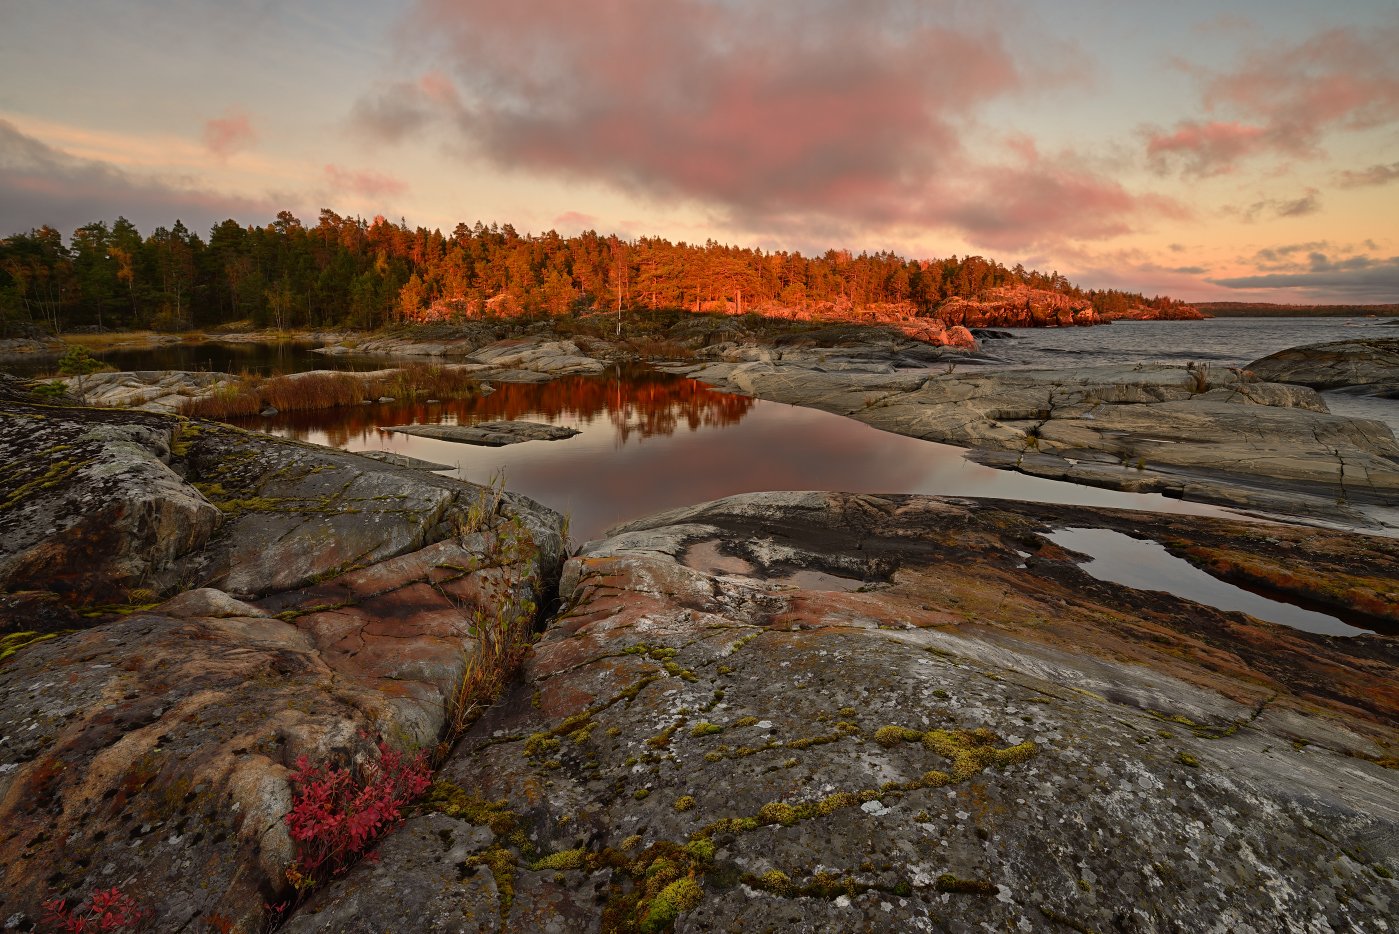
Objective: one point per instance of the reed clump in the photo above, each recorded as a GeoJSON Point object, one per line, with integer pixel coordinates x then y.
{"type": "Point", "coordinates": [300, 392]}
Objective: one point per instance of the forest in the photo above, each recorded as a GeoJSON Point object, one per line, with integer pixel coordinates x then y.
{"type": "Point", "coordinates": [348, 272]}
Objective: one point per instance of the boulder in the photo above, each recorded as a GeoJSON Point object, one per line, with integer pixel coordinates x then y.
{"type": "Point", "coordinates": [318, 603]}
{"type": "Point", "coordinates": [542, 355]}
{"type": "Point", "coordinates": [1371, 365]}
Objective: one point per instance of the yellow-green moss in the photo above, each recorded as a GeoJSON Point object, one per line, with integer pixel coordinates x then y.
{"type": "Point", "coordinates": [501, 863]}
{"type": "Point", "coordinates": [539, 743]}
{"type": "Point", "coordinates": [670, 903]}
{"type": "Point", "coordinates": [563, 860]}
{"type": "Point", "coordinates": [684, 803]}
{"type": "Point", "coordinates": [890, 736]}
{"type": "Point", "coordinates": [777, 812]}
{"type": "Point", "coordinates": [705, 728]}
{"type": "Point", "coordinates": [12, 642]}
{"type": "Point", "coordinates": [777, 882]}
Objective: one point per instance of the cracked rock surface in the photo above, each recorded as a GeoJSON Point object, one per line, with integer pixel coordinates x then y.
{"type": "Point", "coordinates": [804, 711]}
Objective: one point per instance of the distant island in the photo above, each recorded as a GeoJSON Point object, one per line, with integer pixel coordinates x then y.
{"type": "Point", "coordinates": [1270, 310]}
{"type": "Point", "coordinates": [349, 272]}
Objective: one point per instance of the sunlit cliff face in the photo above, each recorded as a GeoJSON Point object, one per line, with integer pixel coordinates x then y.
{"type": "Point", "coordinates": [1246, 151]}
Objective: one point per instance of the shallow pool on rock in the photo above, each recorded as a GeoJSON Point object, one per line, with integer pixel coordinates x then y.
{"type": "Point", "coordinates": [649, 441]}
{"type": "Point", "coordinates": [1147, 565]}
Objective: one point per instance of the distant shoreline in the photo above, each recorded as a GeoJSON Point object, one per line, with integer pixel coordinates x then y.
{"type": "Point", "coordinates": [1269, 310]}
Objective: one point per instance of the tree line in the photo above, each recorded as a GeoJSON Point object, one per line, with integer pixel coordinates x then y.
{"type": "Point", "coordinates": [349, 272]}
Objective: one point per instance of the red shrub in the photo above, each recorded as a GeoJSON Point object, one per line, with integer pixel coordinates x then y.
{"type": "Point", "coordinates": [336, 815]}
{"type": "Point", "coordinates": [107, 910]}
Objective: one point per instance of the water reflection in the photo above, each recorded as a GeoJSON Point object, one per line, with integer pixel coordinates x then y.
{"type": "Point", "coordinates": [650, 441]}
{"type": "Point", "coordinates": [637, 402]}
{"type": "Point", "coordinates": [1147, 565]}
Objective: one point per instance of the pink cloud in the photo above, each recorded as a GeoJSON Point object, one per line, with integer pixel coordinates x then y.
{"type": "Point", "coordinates": [223, 136]}
{"type": "Point", "coordinates": [573, 220]}
{"type": "Point", "coordinates": [1204, 148]}
{"type": "Point", "coordinates": [1286, 98]}
{"type": "Point", "coordinates": [1044, 201]}
{"type": "Point", "coordinates": [851, 121]}
{"type": "Point", "coordinates": [363, 182]}
{"type": "Point", "coordinates": [42, 184]}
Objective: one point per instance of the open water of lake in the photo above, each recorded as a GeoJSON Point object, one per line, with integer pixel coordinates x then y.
{"type": "Point", "coordinates": [1219, 342]}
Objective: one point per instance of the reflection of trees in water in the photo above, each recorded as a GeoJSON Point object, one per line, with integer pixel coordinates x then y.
{"type": "Point", "coordinates": [639, 403]}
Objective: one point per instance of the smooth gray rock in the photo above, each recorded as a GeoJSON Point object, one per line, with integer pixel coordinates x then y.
{"type": "Point", "coordinates": [1371, 363]}
{"type": "Point", "coordinates": [403, 460]}
{"type": "Point", "coordinates": [489, 434]}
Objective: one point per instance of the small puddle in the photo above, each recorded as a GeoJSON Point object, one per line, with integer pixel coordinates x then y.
{"type": "Point", "coordinates": [1147, 565]}
{"type": "Point", "coordinates": [705, 556]}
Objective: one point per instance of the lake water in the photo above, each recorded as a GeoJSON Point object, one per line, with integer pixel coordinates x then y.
{"type": "Point", "coordinates": [212, 356]}
{"type": "Point", "coordinates": [649, 441]}
{"type": "Point", "coordinates": [1219, 342]}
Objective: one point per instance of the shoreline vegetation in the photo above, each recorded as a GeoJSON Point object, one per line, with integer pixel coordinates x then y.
{"type": "Point", "coordinates": [300, 392]}
{"type": "Point", "coordinates": [1273, 310]}
{"type": "Point", "coordinates": [346, 272]}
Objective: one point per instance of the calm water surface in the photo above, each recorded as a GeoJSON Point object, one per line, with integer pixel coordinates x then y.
{"type": "Point", "coordinates": [262, 359]}
{"type": "Point", "coordinates": [649, 441]}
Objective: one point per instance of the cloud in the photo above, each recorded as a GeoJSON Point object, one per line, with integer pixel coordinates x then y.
{"type": "Point", "coordinates": [40, 184]}
{"type": "Point", "coordinates": [1016, 206]}
{"type": "Point", "coordinates": [1374, 175]}
{"type": "Point", "coordinates": [855, 115]}
{"type": "Point", "coordinates": [574, 220]}
{"type": "Point", "coordinates": [1309, 203]}
{"type": "Point", "coordinates": [223, 136]}
{"type": "Point", "coordinates": [363, 182]}
{"type": "Point", "coordinates": [1355, 277]}
{"type": "Point", "coordinates": [1204, 149]}
{"type": "Point", "coordinates": [1284, 98]}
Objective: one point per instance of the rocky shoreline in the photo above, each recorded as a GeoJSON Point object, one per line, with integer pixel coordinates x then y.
{"type": "Point", "coordinates": [1257, 438]}
{"type": "Point", "coordinates": [789, 710]}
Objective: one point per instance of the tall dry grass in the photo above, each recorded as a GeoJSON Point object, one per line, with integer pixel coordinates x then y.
{"type": "Point", "coordinates": [301, 392]}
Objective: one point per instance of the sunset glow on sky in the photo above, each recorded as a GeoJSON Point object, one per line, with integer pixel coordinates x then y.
{"type": "Point", "coordinates": [1231, 150]}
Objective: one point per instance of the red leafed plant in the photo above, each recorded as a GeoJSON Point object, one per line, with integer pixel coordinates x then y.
{"type": "Point", "coordinates": [107, 910]}
{"type": "Point", "coordinates": [336, 814]}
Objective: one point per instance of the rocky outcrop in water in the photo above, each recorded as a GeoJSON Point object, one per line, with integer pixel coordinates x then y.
{"type": "Point", "coordinates": [1369, 366]}
{"type": "Point", "coordinates": [149, 390]}
{"type": "Point", "coordinates": [187, 609]}
{"type": "Point", "coordinates": [489, 434]}
{"type": "Point", "coordinates": [1018, 308]}
{"type": "Point", "coordinates": [796, 712]}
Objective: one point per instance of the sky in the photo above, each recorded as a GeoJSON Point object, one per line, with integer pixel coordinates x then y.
{"type": "Point", "coordinates": [1230, 150]}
